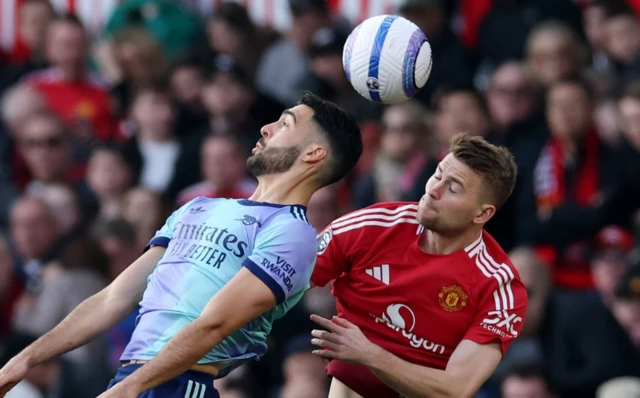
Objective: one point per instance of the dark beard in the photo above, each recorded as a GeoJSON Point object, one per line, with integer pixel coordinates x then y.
{"type": "Point", "coordinates": [272, 160]}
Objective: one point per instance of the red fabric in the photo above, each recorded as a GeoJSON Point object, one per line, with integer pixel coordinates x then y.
{"type": "Point", "coordinates": [473, 12]}
{"type": "Point", "coordinates": [85, 106]}
{"type": "Point", "coordinates": [572, 269]}
{"type": "Point", "coordinates": [415, 305]}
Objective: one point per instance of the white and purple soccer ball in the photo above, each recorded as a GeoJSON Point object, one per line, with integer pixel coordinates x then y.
{"type": "Point", "coordinates": [387, 59]}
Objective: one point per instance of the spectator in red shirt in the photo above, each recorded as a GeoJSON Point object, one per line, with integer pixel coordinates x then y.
{"type": "Point", "coordinates": [573, 169]}
{"type": "Point", "coordinates": [80, 99]}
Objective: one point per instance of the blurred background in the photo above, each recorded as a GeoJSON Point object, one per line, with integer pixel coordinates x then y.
{"type": "Point", "coordinates": [113, 113]}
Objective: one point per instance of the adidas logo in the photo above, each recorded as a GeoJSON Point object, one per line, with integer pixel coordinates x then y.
{"type": "Point", "coordinates": [381, 273]}
{"type": "Point", "coordinates": [196, 210]}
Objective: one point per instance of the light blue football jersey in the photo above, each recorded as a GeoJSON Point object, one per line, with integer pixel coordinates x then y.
{"type": "Point", "coordinates": [208, 241]}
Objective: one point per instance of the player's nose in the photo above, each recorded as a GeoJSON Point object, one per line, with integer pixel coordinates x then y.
{"type": "Point", "coordinates": [434, 191]}
{"type": "Point", "coordinates": [267, 130]}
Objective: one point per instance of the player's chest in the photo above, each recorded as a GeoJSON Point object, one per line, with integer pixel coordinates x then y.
{"type": "Point", "coordinates": [422, 302]}
{"type": "Point", "coordinates": [213, 237]}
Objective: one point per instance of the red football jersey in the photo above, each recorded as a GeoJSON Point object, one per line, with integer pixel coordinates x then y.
{"type": "Point", "coordinates": [415, 305]}
{"type": "Point", "coordinates": [84, 106]}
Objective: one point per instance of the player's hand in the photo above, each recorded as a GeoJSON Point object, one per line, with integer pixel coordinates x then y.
{"type": "Point", "coordinates": [342, 340]}
{"type": "Point", "coordinates": [12, 373]}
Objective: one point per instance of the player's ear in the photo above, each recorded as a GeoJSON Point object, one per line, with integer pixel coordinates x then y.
{"type": "Point", "coordinates": [486, 213]}
{"type": "Point", "coordinates": [314, 153]}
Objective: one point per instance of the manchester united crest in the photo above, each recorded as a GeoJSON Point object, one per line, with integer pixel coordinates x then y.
{"type": "Point", "coordinates": [452, 298]}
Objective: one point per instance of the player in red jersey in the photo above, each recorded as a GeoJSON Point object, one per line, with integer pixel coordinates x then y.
{"type": "Point", "coordinates": [427, 300]}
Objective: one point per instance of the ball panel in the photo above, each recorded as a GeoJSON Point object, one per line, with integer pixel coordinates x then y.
{"type": "Point", "coordinates": [424, 62]}
{"type": "Point", "coordinates": [393, 55]}
{"type": "Point", "coordinates": [373, 82]}
{"type": "Point", "coordinates": [348, 51]}
{"type": "Point", "coordinates": [409, 86]}
{"type": "Point", "coordinates": [361, 53]}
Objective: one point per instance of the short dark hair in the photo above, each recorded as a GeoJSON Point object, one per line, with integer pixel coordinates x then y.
{"type": "Point", "coordinates": [69, 18]}
{"type": "Point", "coordinates": [632, 90]}
{"type": "Point", "coordinates": [616, 9]}
{"type": "Point", "coordinates": [117, 228]}
{"type": "Point", "coordinates": [526, 370]}
{"type": "Point", "coordinates": [235, 15]}
{"type": "Point", "coordinates": [494, 163]}
{"type": "Point", "coordinates": [578, 82]}
{"type": "Point", "coordinates": [342, 133]}
{"type": "Point", "coordinates": [449, 89]}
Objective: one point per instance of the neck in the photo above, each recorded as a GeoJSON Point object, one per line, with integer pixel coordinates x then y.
{"type": "Point", "coordinates": [72, 74]}
{"type": "Point", "coordinates": [155, 135]}
{"type": "Point", "coordinates": [432, 242]}
{"type": "Point", "coordinates": [283, 189]}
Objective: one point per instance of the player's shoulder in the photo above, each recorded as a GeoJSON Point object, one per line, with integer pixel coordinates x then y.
{"type": "Point", "coordinates": [490, 261]}
{"type": "Point", "coordinates": [380, 215]}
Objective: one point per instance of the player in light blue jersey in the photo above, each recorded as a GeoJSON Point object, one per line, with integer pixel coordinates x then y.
{"type": "Point", "coordinates": [219, 272]}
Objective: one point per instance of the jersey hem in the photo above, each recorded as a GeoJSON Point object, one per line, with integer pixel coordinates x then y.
{"type": "Point", "coordinates": [158, 241]}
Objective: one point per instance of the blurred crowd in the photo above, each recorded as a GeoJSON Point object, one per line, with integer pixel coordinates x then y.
{"type": "Point", "coordinates": [103, 135]}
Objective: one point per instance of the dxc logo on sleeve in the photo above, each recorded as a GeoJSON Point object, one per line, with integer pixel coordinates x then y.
{"type": "Point", "coordinates": [501, 319]}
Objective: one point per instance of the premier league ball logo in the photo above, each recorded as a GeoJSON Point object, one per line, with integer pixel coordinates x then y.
{"type": "Point", "coordinates": [373, 84]}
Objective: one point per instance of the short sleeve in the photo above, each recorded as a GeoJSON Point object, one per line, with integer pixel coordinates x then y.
{"type": "Point", "coordinates": [164, 234]}
{"type": "Point", "coordinates": [501, 313]}
{"type": "Point", "coordinates": [283, 256]}
{"type": "Point", "coordinates": [331, 262]}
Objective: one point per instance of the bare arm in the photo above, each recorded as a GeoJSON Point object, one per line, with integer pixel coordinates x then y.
{"type": "Point", "coordinates": [242, 299]}
{"type": "Point", "coordinates": [98, 313]}
{"type": "Point", "coordinates": [469, 367]}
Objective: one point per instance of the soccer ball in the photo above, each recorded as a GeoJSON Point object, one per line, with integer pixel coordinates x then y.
{"type": "Point", "coordinates": [387, 59]}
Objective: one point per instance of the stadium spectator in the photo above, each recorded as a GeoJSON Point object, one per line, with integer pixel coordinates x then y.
{"type": "Point", "coordinates": [290, 50]}
{"type": "Point", "coordinates": [145, 211]}
{"type": "Point", "coordinates": [403, 155]}
{"type": "Point", "coordinates": [554, 52]}
{"type": "Point", "coordinates": [63, 201]}
{"type": "Point", "coordinates": [623, 42]}
{"type": "Point", "coordinates": [69, 90]}
{"type": "Point", "coordinates": [34, 18]}
{"type": "Point", "coordinates": [593, 17]}
{"type": "Point", "coordinates": [526, 380]}
{"type": "Point", "coordinates": [223, 169]}
{"type": "Point", "coordinates": [108, 178]}
{"type": "Point", "coordinates": [187, 78]}
{"type": "Point", "coordinates": [573, 168]}
{"type": "Point", "coordinates": [626, 307]}
{"type": "Point", "coordinates": [153, 150]}
{"type": "Point", "coordinates": [230, 31]}
{"type": "Point", "coordinates": [35, 240]}
{"type": "Point", "coordinates": [46, 146]}
{"type": "Point", "coordinates": [138, 62]}
{"type": "Point", "coordinates": [451, 63]}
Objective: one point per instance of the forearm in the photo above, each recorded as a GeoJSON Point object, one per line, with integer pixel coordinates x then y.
{"type": "Point", "coordinates": [413, 381]}
{"type": "Point", "coordinates": [92, 317]}
{"type": "Point", "coordinates": [183, 351]}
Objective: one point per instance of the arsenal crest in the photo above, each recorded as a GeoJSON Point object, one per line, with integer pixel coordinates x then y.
{"type": "Point", "coordinates": [452, 298]}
